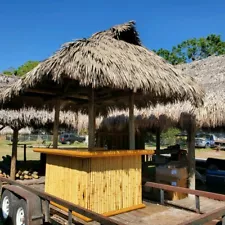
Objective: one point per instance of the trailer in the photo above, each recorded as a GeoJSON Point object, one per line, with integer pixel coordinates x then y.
{"type": "Point", "coordinates": [23, 205]}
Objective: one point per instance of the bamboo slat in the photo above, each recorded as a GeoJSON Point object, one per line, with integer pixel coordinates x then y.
{"type": "Point", "coordinates": [104, 185]}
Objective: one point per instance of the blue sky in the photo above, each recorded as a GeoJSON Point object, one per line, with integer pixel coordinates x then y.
{"type": "Point", "coordinates": [33, 30]}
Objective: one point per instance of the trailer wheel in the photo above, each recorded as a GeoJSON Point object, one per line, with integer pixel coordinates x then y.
{"type": "Point", "coordinates": [20, 213]}
{"type": "Point", "coordinates": [8, 199]}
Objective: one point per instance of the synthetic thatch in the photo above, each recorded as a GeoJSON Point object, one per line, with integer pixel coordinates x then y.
{"type": "Point", "coordinates": [111, 60]}
{"type": "Point", "coordinates": [210, 73]}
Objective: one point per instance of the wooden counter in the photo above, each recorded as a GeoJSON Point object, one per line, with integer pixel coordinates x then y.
{"type": "Point", "coordinates": [107, 182]}
{"type": "Point", "coordinates": [84, 153]}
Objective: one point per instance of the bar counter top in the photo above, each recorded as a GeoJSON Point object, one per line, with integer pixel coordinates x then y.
{"type": "Point", "coordinates": [96, 153]}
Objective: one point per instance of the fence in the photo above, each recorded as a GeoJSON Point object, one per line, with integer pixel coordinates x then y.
{"type": "Point", "coordinates": [31, 137]}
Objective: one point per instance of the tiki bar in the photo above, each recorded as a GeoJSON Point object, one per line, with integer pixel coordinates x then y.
{"type": "Point", "coordinates": [110, 70]}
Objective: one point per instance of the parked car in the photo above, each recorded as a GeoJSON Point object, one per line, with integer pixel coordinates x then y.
{"type": "Point", "coordinates": [205, 140]}
{"type": "Point", "coordinates": [70, 138]}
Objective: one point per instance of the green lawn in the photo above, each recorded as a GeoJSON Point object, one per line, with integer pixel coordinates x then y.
{"type": "Point", "coordinates": [6, 149]}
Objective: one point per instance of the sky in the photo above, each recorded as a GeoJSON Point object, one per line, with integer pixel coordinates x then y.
{"type": "Point", "coordinates": [34, 30]}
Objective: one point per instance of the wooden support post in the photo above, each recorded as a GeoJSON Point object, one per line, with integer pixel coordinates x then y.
{"type": "Point", "coordinates": [131, 122]}
{"type": "Point", "coordinates": [14, 154]}
{"type": "Point", "coordinates": [24, 152]}
{"type": "Point", "coordinates": [223, 220]}
{"type": "Point", "coordinates": [76, 121]}
{"type": "Point", "coordinates": [158, 133]}
{"type": "Point", "coordinates": [47, 211]}
{"type": "Point", "coordinates": [43, 163]}
{"type": "Point", "coordinates": [162, 200]}
{"type": "Point", "coordinates": [70, 217]}
{"type": "Point", "coordinates": [56, 124]}
{"type": "Point", "coordinates": [197, 204]}
{"type": "Point", "coordinates": [191, 152]}
{"type": "Point", "coordinates": [91, 120]}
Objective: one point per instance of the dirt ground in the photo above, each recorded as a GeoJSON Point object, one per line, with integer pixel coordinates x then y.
{"type": "Point", "coordinates": [209, 153]}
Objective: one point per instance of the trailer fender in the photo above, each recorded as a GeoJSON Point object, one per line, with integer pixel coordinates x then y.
{"type": "Point", "coordinates": [34, 204]}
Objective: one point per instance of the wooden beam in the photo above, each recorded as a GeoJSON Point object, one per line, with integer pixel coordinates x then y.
{"type": "Point", "coordinates": [56, 124]}
{"type": "Point", "coordinates": [14, 154]}
{"type": "Point", "coordinates": [40, 91]}
{"type": "Point", "coordinates": [91, 120]}
{"type": "Point", "coordinates": [131, 122]}
{"type": "Point", "coordinates": [57, 93]}
{"type": "Point", "coordinates": [191, 151]}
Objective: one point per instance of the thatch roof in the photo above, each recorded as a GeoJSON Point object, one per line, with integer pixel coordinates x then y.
{"type": "Point", "coordinates": [209, 72]}
{"type": "Point", "coordinates": [35, 118]}
{"type": "Point", "coordinates": [7, 81]}
{"type": "Point", "coordinates": [30, 117]}
{"type": "Point", "coordinates": [109, 61]}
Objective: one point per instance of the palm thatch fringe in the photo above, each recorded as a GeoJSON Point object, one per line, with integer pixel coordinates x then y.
{"type": "Point", "coordinates": [7, 81]}
{"type": "Point", "coordinates": [41, 119]}
{"type": "Point", "coordinates": [30, 117]}
{"type": "Point", "coordinates": [114, 59]}
{"type": "Point", "coordinates": [210, 73]}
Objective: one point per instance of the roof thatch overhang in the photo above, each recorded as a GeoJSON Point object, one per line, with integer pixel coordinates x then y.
{"type": "Point", "coordinates": [113, 63]}
{"type": "Point", "coordinates": [209, 72]}
{"type": "Point", "coordinates": [30, 117]}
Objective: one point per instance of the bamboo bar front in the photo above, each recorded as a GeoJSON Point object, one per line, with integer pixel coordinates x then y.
{"type": "Point", "coordinates": [107, 182]}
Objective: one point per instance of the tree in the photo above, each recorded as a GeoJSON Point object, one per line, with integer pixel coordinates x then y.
{"type": "Point", "coordinates": [194, 49]}
{"type": "Point", "coordinates": [170, 56]}
{"type": "Point", "coordinates": [26, 67]}
{"type": "Point", "coordinates": [9, 71]}
{"type": "Point", "coordinates": [21, 70]}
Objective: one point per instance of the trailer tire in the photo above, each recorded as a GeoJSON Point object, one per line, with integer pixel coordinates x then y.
{"type": "Point", "coordinates": [20, 213]}
{"type": "Point", "coordinates": [8, 200]}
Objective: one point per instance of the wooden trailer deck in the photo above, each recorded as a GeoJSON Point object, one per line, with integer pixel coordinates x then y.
{"type": "Point", "coordinates": [154, 213]}
{"type": "Point", "coordinates": [206, 205]}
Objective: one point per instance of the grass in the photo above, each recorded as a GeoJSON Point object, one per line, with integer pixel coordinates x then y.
{"type": "Point", "coordinates": [6, 149]}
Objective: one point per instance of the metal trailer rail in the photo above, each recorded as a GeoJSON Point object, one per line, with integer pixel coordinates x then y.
{"type": "Point", "coordinates": [202, 218]}
{"type": "Point", "coordinates": [47, 198]}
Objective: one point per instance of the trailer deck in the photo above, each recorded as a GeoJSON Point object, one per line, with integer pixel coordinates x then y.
{"type": "Point", "coordinates": [199, 208]}
{"type": "Point", "coordinates": [153, 213]}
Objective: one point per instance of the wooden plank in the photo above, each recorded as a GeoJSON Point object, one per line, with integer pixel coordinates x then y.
{"type": "Point", "coordinates": [206, 205]}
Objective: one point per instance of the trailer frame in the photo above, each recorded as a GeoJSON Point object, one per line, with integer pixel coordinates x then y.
{"type": "Point", "coordinates": [47, 198]}
{"type": "Point", "coordinates": [203, 217]}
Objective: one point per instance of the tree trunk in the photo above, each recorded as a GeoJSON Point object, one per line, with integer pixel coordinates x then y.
{"type": "Point", "coordinates": [14, 154]}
